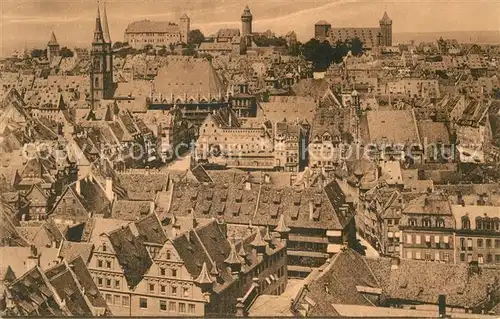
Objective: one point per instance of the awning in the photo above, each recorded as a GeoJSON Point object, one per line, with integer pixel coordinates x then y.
{"type": "Point", "coordinates": [427, 238]}
{"type": "Point", "coordinates": [333, 233]}
{"type": "Point", "coordinates": [446, 239]}
{"type": "Point", "coordinates": [333, 248]}
{"type": "Point", "coordinates": [390, 234]}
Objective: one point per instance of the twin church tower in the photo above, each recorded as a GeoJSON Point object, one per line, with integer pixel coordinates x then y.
{"type": "Point", "coordinates": [101, 57]}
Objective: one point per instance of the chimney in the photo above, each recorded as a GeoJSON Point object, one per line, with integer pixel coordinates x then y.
{"type": "Point", "coordinates": [442, 306]}
{"type": "Point", "coordinates": [395, 261]}
{"type": "Point", "coordinates": [109, 189]}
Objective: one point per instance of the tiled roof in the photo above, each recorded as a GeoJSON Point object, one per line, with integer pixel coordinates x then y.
{"type": "Point", "coordinates": [130, 210]}
{"type": "Point", "coordinates": [188, 77]}
{"type": "Point", "coordinates": [402, 129]}
{"type": "Point", "coordinates": [150, 230]}
{"type": "Point", "coordinates": [146, 26]}
{"type": "Point", "coordinates": [337, 283]}
{"type": "Point", "coordinates": [33, 294]}
{"type": "Point", "coordinates": [228, 33]}
{"type": "Point", "coordinates": [131, 253]}
{"type": "Point", "coordinates": [423, 281]}
{"type": "Point", "coordinates": [143, 186]}
{"type": "Point", "coordinates": [70, 250]}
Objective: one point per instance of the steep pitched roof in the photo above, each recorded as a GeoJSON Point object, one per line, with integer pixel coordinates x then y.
{"type": "Point", "coordinates": [53, 40]}
{"type": "Point", "coordinates": [131, 253]}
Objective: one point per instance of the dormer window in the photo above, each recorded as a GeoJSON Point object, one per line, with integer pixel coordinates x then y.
{"type": "Point", "coordinates": [426, 222]}
{"type": "Point", "coordinates": [440, 222]}
{"type": "Point", "coordinates": [479, 223]}
{"type": "Point", "coordinates": [104, 248]}
{"type": "Point", "coordinates": [465, 222]}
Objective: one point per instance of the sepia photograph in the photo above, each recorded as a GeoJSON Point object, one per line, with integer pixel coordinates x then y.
{"type": "Point", "coordinates": [239, 158]}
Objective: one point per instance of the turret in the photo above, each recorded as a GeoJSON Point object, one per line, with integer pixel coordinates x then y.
{"type": "Point", "coordinates": [204, 280]}
{"type": "Point", "coordinates": [259, 244]}
{"type": "Point", "coordinates": [52, 47]}
{"type": "Point", "coordinates": [234, 261]}
{"type": "Point", "coordinates": [282, 229]}
{"type": "Point", "coordinates": [246, 26]}
{"type": "Point", "coordinates": [386, 30]}
{"type": "Point", "coordinates": [184, 27]}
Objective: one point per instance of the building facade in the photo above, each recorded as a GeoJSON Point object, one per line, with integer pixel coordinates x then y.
{"type": "Point", "coordinates": [157, 33]}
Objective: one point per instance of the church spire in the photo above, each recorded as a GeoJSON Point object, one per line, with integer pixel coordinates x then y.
{"type": "Point", "coordinates": [98, 35]}
{"type": "Point", "coordinates": [105, 26]}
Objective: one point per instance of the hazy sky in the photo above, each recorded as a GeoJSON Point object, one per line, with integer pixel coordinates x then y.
{"type": "Point", "coordinates": [29, 22]}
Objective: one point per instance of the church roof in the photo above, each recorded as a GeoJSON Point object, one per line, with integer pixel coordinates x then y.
{"type": "Point", "coordinates": [53, 40]}
{"type": "Point", "coordinates": [385, 18]}
{"type": "Point", "coordinates": [188, 77]}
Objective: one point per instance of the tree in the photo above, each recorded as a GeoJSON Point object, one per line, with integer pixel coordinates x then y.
{"type": "Point", "coordinates": [65, 52]}
{"type": "Point", "coordinates": [195, 37]}
{"type": "Point", "coordinates": [356, 46]}
{"type": "Point", "coordinates": [38, 53]}
{"type": "Point", "coordinates": [190, 50]}
{"type": "Point", "coordinates": [295, 49]}
{"type": "Point", "coordinates": [206, 56]}
{"type": "Point", "coordinates": [118, 45]}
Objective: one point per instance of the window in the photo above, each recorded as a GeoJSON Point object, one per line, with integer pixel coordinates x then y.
{"type": "Point", "coordinates": [108, 283]}
{"type": "Point", "coordinates": [480, 258]}
{"type": "Point", "coordinates": [440, 222]}
{"type": "Point", "coordinates": [469, 243]}
{"type": "Point", "coordinates": [99, 281]}
{"type": "Point", "coordinates": [479, 223]}
{"type": "Point", "coordinates": [413, 222]}
{"type": "Point", "coordinates": [109, 299]}
{"type": "Point", "coordinates": [497, 259]}
{"type": "Point", "coordinates": [143, 303]}
{"type": "Point", "coordinates": [151, 287]}
{"type": "Point", "coordinates": [418, 240]}
{"type": "Point", "coordinates": [108, 264]}
{"type": "Point", "coordinates": [408, 239]}
{"type": "Point", "coordinates": [174, 291]}
{"type": "Point", "coordinates": [185, 291]}
{"type": "Point", "coordinates": [163, 305]}
{"type": "Point", "coordinates": [172, 306]}
{"type": "Point", "coordinates": [418, 255]}
{"type": "Point", "coordinates": [426, 222]}
{"type": "Point", "coordinates": [99, 263]}
{"type": "Point", "coordinates": [489, 258]}
{"type": "Point", "coordinates": [497, 243]}
{"type": "Point", "coordinates": [446, 257]}
{"type": "Point", "coordinates": [389, 222]}
{"type": "Point", "coordinates": [469, 258]}
{"type": "Point", "coordinates": [462, 256]}
{"type": "Point", "coordinates": [462, 243]}
{"type": "Point", "coordinates": [191, 308]}
{"type": "Point", "coordinates": [408, 255]}
{"type": "Point", "coordinates": [488, 243]}
{"type": "Point", "coordinates": [117, 284]}
{"type": "Point", "coordinates": [125, 301]}
{"type": "Point", "coordinates": [162, 271]}
{"type": "Point", "coordinates": [182, 307]}
{"type": "Point", "coordinates": [427, 255]}
{"type": "Point", "coordinates": [480, 243]}
{"type": "Point", "coordinates": [104, 248]}
{"type": "Point", "coordinates": [116, 300]}
{"type": "Point", "coordinates": [163, 289]}
{"type": "Point", "coordinates": [174, 272]}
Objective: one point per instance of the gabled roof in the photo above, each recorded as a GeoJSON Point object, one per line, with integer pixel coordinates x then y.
{"type": "Point", "coordinates": [131, 253]}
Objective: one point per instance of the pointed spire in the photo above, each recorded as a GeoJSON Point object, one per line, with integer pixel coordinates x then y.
{"type": "Point", "coordinates": [53, 40]}
{"type": "Point", "coordinates": [385, 18]}
{"type": "Point", "coordinates": [233, 258]}
{"type": "Point", "coordinates": [267, 236]}
{"type": "Point", "coordinates": [242, 252]}
{"type": "Point", "coordinates": [105, 26]}
{"type": "Point", "coordinates": [282, 228]}
{"type": "Point", "coordinates": [204, 277]}
{"type": "Point", "coordinates": [98, 35]}
{"type": "Point", "coordinates": [257, 241]}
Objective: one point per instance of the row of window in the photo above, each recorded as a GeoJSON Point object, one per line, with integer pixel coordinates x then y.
{"type": "Point", "coordinates": [436, 256]}
{"type": "Point", "coordinates": [170, 306]}
{"type": "Point", "coordinates": [418, 239]}
{"type": "Point", "coordinates": [426, 222]}
{"type": "Point", "coordinates": [104, 263]}
{"type": "Point", "coordinates": [117, 300]}
{"type": "Point", "coordinates": [482, 223]}
{"type": "Point", "coordinates": [480, 258]}
{"type": "Point", "coordinates": [174, 290]}
{"type": "Point", "coordinates": [108, 282]}
{"type": "Point", "coordinates": [481, 243]}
